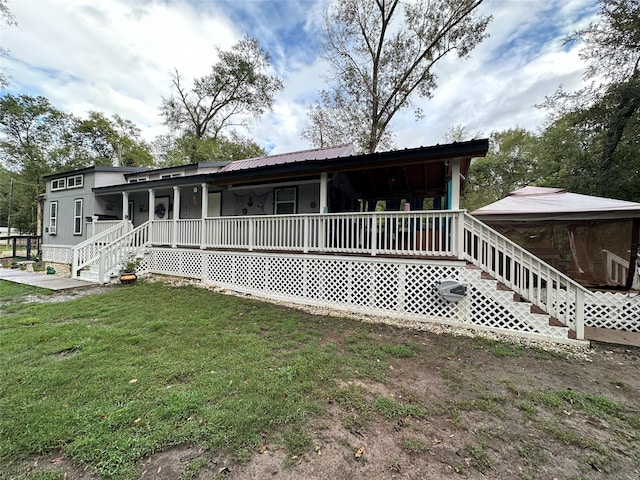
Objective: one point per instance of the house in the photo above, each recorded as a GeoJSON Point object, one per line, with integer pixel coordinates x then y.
{"type": "Point", "coordinates": [378, 234]}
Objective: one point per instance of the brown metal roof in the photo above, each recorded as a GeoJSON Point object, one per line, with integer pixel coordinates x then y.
{"type": "Point", "coordinates": [293, 157]}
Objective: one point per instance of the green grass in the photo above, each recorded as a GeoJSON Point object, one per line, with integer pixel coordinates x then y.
{"type": "Point", "coordinates": [10, 291]}
{"type": "Point", "coordinates": [111, 378]}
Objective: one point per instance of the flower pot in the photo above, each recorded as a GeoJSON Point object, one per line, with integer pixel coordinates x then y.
{"type": "Point", "coordinates": [128, 278]}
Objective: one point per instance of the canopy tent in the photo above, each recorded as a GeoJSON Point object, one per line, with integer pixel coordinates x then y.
{"type": "Point", "coordinates": [591, 239]}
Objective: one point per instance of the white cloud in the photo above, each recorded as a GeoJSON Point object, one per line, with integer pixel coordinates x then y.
{"type": "Point", "coordinates": [117, 56]}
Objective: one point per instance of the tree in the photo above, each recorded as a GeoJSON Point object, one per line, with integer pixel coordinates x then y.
{"type": "Point", "coordinates": [6, 20]}
{"type": "Point", "coordinates": [171, 151]}
{"type": "Point", "coordinates": [607, 109]}
{"type": "Point", "coordinates": [35, 140]}
{"type": "Point", "coordinates": [111, 142]}
{"type": "Point", "coordinates": [237, 89]}
{"type": "Point", "coordinates": [510, 164]}
{"type": "Point", "coordinates": [382, 55]}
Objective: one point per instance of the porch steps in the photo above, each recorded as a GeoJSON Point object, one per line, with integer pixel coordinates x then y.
{"type": "Point", "coordinates": [522, 310]}
{"type": "Point", "coordinates": [91, 274]}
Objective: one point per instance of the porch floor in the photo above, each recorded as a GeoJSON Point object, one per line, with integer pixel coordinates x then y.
{"type": "Point", "coordinates": [42, 280]}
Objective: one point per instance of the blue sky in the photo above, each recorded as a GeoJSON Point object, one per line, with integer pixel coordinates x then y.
{"type": "Point", "coordinates": [116, 56]}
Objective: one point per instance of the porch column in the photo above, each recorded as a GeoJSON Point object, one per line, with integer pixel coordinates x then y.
{"type": "Point", "coordinates": [455, 184]}
{"type": "Point", "coordinates": [204, 191]}
{"type": "Point", "coordinates": [125, 205]}
{"type": "Point", "coordinates": [176, 215]}
{"type": "Point", "coordinates": [152, 204]}
{"type": "Point", "coordinates": [94, 225]}
{"type": "Point", "coordinates": [324, 204]}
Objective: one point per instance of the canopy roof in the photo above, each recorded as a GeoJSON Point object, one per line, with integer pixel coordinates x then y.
{"type": "Point", "coordinates": [531, 204]}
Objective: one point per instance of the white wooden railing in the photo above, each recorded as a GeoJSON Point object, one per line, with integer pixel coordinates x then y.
{"type": "Point", "coordinates": [617, 269]}
{"type": "Point", "coordinates": [96, 227]}
{"type": "Point", "coordinates": [424, 233]}
{"type": "Point", "coordinates": [86, 253]}
{"type": "Point", "coordinates": [117, 253]}
{"type": "Point", "coordinates": [536, 281]}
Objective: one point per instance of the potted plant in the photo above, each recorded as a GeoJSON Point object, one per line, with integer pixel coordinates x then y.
{"type": "Point", "coordinates": [128, 270]}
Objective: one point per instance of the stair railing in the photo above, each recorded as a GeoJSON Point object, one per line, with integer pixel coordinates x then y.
{"type": "Point", "coordinates": [536, 281]}
{"type": "Point", "coordinates": [117, 252]}
{"type": "Point", "coordinates": [86, 253]}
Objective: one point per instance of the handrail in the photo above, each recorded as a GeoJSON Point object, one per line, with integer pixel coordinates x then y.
{"type": "Point", "coordinates": [86, 252]}
{"type": "Point", "coordinates": [117, 252]}
{"type": "Point", "coordinates": [538, 282]}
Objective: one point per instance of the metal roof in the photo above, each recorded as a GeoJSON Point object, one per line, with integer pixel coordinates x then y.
{"type": "Point", "coordinates": [292, 157]}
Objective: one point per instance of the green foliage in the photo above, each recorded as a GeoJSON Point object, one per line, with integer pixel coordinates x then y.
{"type": "Point", "coordinates": [112, 141]}
{"type": "Point", "coordinates": [238, 88]}
{"type": "Point", "coordinates": [188, 148]}
{"type": "Point", "coordinates": [509, 165]}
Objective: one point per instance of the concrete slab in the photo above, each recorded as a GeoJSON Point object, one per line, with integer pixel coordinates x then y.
{"type": "Point", "coordinates": [42, 280]}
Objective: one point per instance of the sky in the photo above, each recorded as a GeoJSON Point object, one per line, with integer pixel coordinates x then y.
{"type": "Point", "coordinates": [117, 56]}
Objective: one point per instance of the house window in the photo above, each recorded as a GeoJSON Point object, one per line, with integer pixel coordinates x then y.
{"type": "Point", "coordinates": [138, 179]}
{"type": "Point", "coordinates": [77, 217]}
{"type": "Point", "coordinates": [285, 201]}
{"type": "Point", "coordinates": [53, 217]}
{"type": "Point", "coordinates": [57, 184]}
{"type": "Point", "coordinates": [171, 175]}
{"type": "Point", "coordinates": [76, 181]}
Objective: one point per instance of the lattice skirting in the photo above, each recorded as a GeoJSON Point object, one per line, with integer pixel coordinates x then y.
{"type": "Point", "coordinates": [399, 288]}
{"type": "Point", "coordinates": [613, 310]}
{"type": "Point", "coordinates": [57, 253]}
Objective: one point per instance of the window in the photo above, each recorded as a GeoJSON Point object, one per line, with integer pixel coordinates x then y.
{"type": "Point", "coordinates": [53, 217]}
{"type": "Point", "coordinates": [76, 181]}
{"type": "Point", "coordinates": [171, 175]}
{"type": "Point", "coordinates": [285, 201]}
{"type": "Point", "coordinates": [138, 179]}
{"type": "Point", "coordinates": [57, 184]}
{"type": "Point", "coordinates": [77, 217]}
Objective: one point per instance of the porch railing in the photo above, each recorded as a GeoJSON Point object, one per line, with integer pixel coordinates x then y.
{"type": "Point", "coordinates": [86, 253]}
{"type": "Point", "coordinates": [536, 281]}
{"type": "Point", "coordinates": [96, 227]}
{"type": "Point", "coordinates": [424, 233]}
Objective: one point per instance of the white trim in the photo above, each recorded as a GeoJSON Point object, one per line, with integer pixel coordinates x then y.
{"type": "Point", "coordinates": [75, 181]}
{"type": "Point", "coordinates": [58, 184]}
{"type": "Point", "coordinates": [77, 218]}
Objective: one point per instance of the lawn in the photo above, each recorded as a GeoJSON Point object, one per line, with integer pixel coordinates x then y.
{"type": "Point", "coordinates": [112, 380]}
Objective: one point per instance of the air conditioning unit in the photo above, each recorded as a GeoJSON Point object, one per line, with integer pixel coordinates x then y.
{"type": "Point", "coordinates": [452, 290]}
{"type": "Point", "coordinates": [52, 230]}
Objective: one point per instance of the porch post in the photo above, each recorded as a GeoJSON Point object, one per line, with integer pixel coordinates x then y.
{"type": "Point", "coordinates": [324, 204]}
{"type": "Point", "coordinates": [455, 184]}
{"type": "Point", "coordinates": [176, 215]}
{"type": "Point", "coordinates": [152, 203]}
{"type": "Point", "coordinates": [125, 205]}
{"type": "Point", "coordinates": [204, 191]}
{"type": "Point", "coordinates": [94, 222]}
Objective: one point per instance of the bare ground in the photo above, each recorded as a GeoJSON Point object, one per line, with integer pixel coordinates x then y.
{"type": "Point", "coordinates": [491, 413]}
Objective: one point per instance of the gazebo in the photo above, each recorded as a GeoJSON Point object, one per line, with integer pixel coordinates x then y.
{"type": "Point", "coordinates": [593, 240]}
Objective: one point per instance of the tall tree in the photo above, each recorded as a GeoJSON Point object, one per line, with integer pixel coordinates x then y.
{"type": "Point", "coordinates": [382, 55]}
{"type": "Point", "coordinates": [114, 141]}
{"type": "Point", "coordinates": [35, 140]}
{"type": "Point", "coordinates": [609, 106]}
{"type": "Point", "coordinates": [238, 88]}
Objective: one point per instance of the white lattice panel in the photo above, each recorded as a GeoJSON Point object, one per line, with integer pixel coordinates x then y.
{"type": "Point", "coordinates": [495, 308]}
{"type": "Point", "coordinates": [613, 310]}
{"type": "Point", "coordinates": [57, 253]}
{"type": "Point", "coordinates": [398, 288]}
